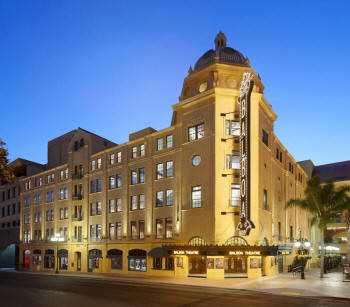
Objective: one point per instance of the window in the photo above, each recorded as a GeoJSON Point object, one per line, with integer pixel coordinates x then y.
{"type": "Point", "coordinates": [197, 197]}
{"type": "Point", "coordinates": [233, 161]}
{"type": "Point", "coordinates": [119, 231]}
{"type": "Point", "coordinates": [169, 263]}
{"type": "Point", "coordinates": [291, 235]}
{"type": "Point", "coordinates": [64, 174]}
{"type": "Point", "coordinates": [168, 228]}
{"type": "Point", "coordinates": [279, 231]}
{"type": "Point", "coordinates": [133, 176]}
{"type": "Point", "coordinates": [98, 185]}
{"type": "Point", "coordinates": [159, 229]}
{"type": "Point", "coordinates": [134, 152]}
{"type": "Point", "coordinates": [119, 205]}
{"type": "Point", "coordinates": [159, 199]}
{"type": "Point", "coordinates": [235, 195]}
{"type": "Point", "coordinates": [99, 163]}
{"type": "Point", "coordinates": [92, 186]}
{"type": "Point", "coordinates": [50, 196]}
{"type": "Point", "coordinates": [169, 169]}
{"type": "Point", "coordinates": [119, 180]}
{"type": "Point", "coordinates": [142, 150]}
{"type": "Point", "coordinates": [50, 178]}
{"type": "Point", "coordinates": [112, 159]}
{"type": "Point", "coordinates": [111, 206]}
{"type": "Point", "coordinates": [160, 144]}
{"type": "Point", "coordinates": [265, 205]}
{"type": "Point", "coordinates": [196, 132]}
{"type": "Point", "coordinates": [141, 229]}
{"type": "Point", "coordinates": [93, 165]}
{"type": "Point", "coordinates": [265, 137]}
{"type": "Point", "coordinates": [160, 171]}
{"type": "Point", "coordinates": [232, 127]}
{"type": "Point", "coordinates": [95, 185]}
{"type": "Point", "coordinates": [111, 182]}
{"type": "Point", "coordinates": [169, 197]}
{"type": "Point", "coordinates": [142, 175]}
{"type": "Point", "coordinates": [119, 157]}
{"type": "Point", "coordinates": [63, 193]}
{"type": "Point", "coordinates": [98, 208]}
{"type": "Point", "coordinates": [133, 229]}
{"type": "Point", "coordinates": [133, 201]}
{"type": "Point", "coordinates": [291, 168]}
{"type": "Point", "coordinates": [111, 231]}
{"type": "Point", "coordinates": [169, 141]}
{"type": "Point", "coordinates": [142, 201]}
{"type": "Point", "coordinates": [157, 263]}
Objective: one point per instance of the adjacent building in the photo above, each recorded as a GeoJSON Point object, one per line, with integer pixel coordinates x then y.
{"type": "Point", "coordinates": [204, 197]}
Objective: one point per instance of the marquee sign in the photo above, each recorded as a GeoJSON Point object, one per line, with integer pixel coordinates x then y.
{"type": "Point", "coordinates": [245, 224]}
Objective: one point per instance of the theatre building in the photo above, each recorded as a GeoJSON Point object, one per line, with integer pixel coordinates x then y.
{"type": "Point", "coordinates": [204, 197]}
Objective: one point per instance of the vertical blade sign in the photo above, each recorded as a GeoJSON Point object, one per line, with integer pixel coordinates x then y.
{"type": "Point", "coordinates": [245, 225]}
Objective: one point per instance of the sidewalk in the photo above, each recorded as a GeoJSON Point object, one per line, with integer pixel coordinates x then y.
{"type": "Point", "coordinates": [332, 285]}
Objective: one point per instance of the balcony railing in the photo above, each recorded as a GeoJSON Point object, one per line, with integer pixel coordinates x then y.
{"type": "Point", "coordinates": [78, 196]}
{"type": "Point", "coordinates": [77, 217]}
{"type": "Point", "coordinates": [78, 175]}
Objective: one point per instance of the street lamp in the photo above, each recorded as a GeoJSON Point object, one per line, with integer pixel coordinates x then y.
{"type": "Point", "coordinates": [57, 238]}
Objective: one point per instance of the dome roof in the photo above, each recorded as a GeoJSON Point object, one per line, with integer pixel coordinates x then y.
{"type": "Point", "coordinates": [221, 54]}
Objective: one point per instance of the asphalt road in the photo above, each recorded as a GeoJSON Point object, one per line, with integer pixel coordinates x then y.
{"type": "Point", "coordinates": [25, 289]}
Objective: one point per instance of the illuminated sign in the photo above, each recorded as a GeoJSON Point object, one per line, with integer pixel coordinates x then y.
{"type": "Point", "coordinates": [244, 253]}
{"type": "Point", "coordinates": [181, 252]}
{"type": "Point", "coordinates": [245, 225]}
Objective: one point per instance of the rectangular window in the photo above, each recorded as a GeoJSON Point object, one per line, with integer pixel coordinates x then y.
{"type": "Point", "coordinates": [169, 169]}
{"type": "Point", "coordinates": [133, 201]}
{"type": "Point", "coordinates": [168, 228]}
{"type": "Point", "coordinates": [291, 234]}
{"type": "Point", "coordinates": [99, 163]}
{"type": "Point", "coordinates": [134, 152]}
{"type": "Point", "coordinates": [119, 157]}
{"type": "Point", "coordinates": [111, 231]}
{"type": "Point", "coordinates": [99, 231]}
{"type": "Point", "coordinates": [232, 127]}
{"type": "Point", "coordinates": [160, 171]}
{"type": "Point", "coordinates": [133, 176]}
{"type": "Point", "coordinates": [98, 185]}
{"type": "Point", "coordinates": [142, 201]}
{"type": "Point", "coordinates": [265, 205]}
{"type": "Point", "coordinates": [235, 195]}
{"type": "Point", "coordinates": [142, 150]}
{"type": "Point", "coordinates": [141, 229]}
{"type": "Point", "coordinates": [169, 197]}
{"type": "Point", "coordinates": [92, 232]}
{"type": "Point", "coordinates": [111, 205]}
{"type": "Point", "coordinates": [196, 132]}
{"type": "Point", "coordinates": [92, 209]}
{"type": "Point", "coordinates": [265, 137]}
{"type": "Point", "coordinates": [159, 199]}
{"type": "Point", "coordinates": [119, 205]}
{"type": "Point", "coordinates": [119, 231]}
{"type": "Point", "coordinates": [119, 180]}
{"type": "Point", "coordinates": [93, 165]}
{"type": "Point", "coordinates": [169, 141]}
{"type": "Point", "coordinates": [233, 161]}
{"type": "Point", "coordinates": [196, 197]}
{"type": "Point", "coordinates": [133, 229]}
{"type": "Point", "coordinates": [159, 229]}
{"type": "Point", "coordinates": [160, 144]}
{"type": "Point", "coordinates": [142, 175]}
{"type": "Point", "coordinates": [112, 159]}
{"type": "Point", "coordinates": [98, 208]}
{"type": "Point", "coordinates": [92, 186]}
{"type": "Point", "coordinates": [111, 182]}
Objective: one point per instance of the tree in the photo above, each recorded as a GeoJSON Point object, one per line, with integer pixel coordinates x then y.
{"type": "Point", "coordinates": [324, 202]}
{"type": "Point", "coordinates": [6, 172]}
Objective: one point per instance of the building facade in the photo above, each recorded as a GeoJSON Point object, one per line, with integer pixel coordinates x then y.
{"type": "Point", "coordinates": [204, 197]}
{"type": "Point", "coordinates": [10, 207]}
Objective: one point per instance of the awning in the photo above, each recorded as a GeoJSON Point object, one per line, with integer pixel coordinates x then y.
{"type": "Point", "coordinates": [158, 252]}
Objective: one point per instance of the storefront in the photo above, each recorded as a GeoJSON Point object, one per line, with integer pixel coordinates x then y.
{"type": "Point", "coordinates": [63, 259]}
{"type": "Point", "coordinates": [49, 259]}
{"type": "Point", "coordinates": [94, 260]}
{"type": "Point", "coordinates": [116, 259]}
{"type": "Point", "coordinates": [137, 260]}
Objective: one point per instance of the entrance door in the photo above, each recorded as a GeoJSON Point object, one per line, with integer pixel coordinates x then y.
{"type": "Point", "coordinates": [197, 266]}
{"type": "Point", "coordinates": [78, 260]}
{"type": "Point", "coordinates": [235, 267]}
{"type": "Point", "coordinates": [280, 264]}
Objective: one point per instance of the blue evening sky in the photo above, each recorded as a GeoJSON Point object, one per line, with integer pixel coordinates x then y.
{"type": "Point", "coordinates": [115, 67]}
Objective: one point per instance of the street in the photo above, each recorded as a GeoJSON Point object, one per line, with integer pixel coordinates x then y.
{"type": "Point", "coordinates": [26, 289]}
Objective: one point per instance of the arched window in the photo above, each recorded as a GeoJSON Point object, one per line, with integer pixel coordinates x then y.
{"type": "Point", "coordinates": [116, 256]}
{"type": "Point", "coordinates": [236, 241]}
{"type": "Point", "coordinates": [197, 241]}
{"type": "Point", "coordinates": [137, 260]}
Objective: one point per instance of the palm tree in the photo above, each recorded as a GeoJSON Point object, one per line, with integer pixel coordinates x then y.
{"type": "Point", "coordinates": [324, 202]}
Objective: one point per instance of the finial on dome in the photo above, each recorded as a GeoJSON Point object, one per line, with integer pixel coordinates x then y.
{"type": "Point", "coordinates": [220, 40]}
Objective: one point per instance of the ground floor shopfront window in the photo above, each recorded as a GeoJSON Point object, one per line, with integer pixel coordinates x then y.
{"type": "Point", "coordinates": [94, 256]}
{"type": "Point", "coordinates": [137, 260]}
{"type": "Point", "coordinates": [197, 266]}
{"type": "Point", "coordinates": [63, 259]}
{"type": "Point", "coordinates": [116, 257]}
{"type": "Point", "coordinates": [235, 266]}
{"type": "Point", "coordinates": [26, 258]}
{"type": "Point", "coordinates": [49, 259]}
{"type": "Point", "coordinates": [37, 257]}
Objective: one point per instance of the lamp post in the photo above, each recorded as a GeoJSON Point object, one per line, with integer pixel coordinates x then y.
{"type": "Point", "coordinates": [57, 238]}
